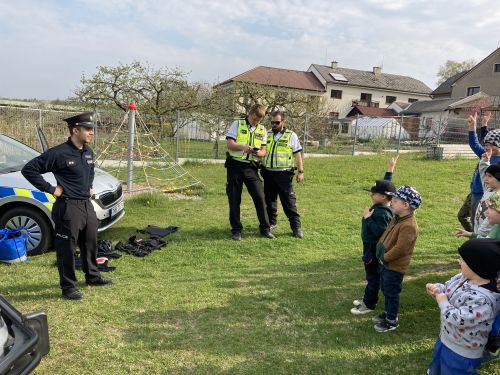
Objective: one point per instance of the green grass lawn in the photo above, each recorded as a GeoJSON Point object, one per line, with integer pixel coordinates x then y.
{"type": "Point", "coordinates": [207, 305]}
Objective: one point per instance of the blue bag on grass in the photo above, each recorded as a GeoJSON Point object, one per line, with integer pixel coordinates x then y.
{"type": "Point", "coordinates": [12, 246]}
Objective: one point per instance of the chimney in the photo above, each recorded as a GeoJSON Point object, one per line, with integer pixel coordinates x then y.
{"type": "Point", "coordinates": [334, 64]}
{"type": "Point", "coordinates": [377, 70]}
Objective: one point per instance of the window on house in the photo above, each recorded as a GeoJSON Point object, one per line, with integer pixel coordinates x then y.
{"type": "Point", "coordinates": [472, 90]}
{"type": "Point", "coordinates": [365, 97]}
{"type": "Point", "coordinates": [390, 99]}
{"type": "Point", "coordinates": [497, 68]}
{"type": "Point", "coordinates": [334, 115]}
{"type": "Point", "coordinates": [345, 128]}
{"type": "Point", "coordinates": [428, 123]}
{"type": "Point", "coordinates": [410, 100]}
{"type": "Point", "coordinates": [336, 94]}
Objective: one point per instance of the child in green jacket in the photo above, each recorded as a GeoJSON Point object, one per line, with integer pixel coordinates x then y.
{"type": "Point", "coordinates": [373, 224]}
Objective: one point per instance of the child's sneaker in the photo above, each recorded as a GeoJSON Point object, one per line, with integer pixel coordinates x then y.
{"type": "Point", "coordinates": [386, 326]}
{"type": "Point", "coordinates": [361, 309]}
{"type": "Point", "coordinates": [379, 318]}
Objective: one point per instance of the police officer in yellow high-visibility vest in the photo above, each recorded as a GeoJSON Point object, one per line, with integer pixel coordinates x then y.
{"type": "Point", "coordinates": [246, 143]}
{"type": "Point", "coordinates": [282, 158]}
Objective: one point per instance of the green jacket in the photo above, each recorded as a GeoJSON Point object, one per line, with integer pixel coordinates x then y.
{"type": "Point", "coordinates": [373, 227]}
{"type": "Point", "coordinates": [494, 233]}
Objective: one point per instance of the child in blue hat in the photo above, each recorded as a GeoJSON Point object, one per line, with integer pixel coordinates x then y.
{"type": "Point", "coordinates": [394, 251]}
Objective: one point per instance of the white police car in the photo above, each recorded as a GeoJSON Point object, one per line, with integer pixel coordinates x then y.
{"type": "Point", "coordinates": [22, 206]}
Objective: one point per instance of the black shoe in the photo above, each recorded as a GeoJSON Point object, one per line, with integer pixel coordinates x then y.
{"type": "Point", "coordinates": [269, 235]}
{"type": "Point", "coordinates": [297, 233]}
{"type": "Point", "coordinates": [386, 326]}
{"type": "Point", "coordinates": [100, 281]}
{"type": "Point", "coordinates": [72, 294]}
{"type": "Point", "coordinates": [236, 236]}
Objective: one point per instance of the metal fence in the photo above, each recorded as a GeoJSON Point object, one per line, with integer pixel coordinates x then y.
{"type": "Point", "coordinates": [183, 136]}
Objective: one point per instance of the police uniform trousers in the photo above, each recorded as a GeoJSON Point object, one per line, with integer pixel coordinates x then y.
{"type": "Point", "coordinates": [239, 173]}
{"type": "Point", "coordinates": [280, 183]}
{"type": "Point", "coordinates": [75, 224]}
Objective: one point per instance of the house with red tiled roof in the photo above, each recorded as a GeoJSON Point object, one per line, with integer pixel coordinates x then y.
{"type": "Point", "coordinates": [339, 89]}
{"type": "Point", "coordinates": [363, 111]}
{"type": "Point", "coordinates": [280, 78]}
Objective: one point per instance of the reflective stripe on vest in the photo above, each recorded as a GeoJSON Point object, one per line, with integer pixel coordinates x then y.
{"type": "Point", "coordinates": [244, 137]}
{"type": "Point", "coordinates": [279, 153]}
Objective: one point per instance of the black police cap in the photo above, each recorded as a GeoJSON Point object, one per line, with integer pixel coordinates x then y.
{"type": "Point", "coordinates": [83, 119]}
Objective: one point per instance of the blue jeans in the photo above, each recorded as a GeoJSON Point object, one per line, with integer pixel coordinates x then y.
{"type": "Point", "coordinates": [372, 273]}
{"type": "Point", "coordinates": [391, 283]}
{"type": "Point", "coordinates": [447, 362]}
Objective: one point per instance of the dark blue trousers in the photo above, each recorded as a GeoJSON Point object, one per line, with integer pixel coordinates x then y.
{"type": "Point", "coordinates": [447, 362]}
{"type": "Point", "coordinates": [372, 275]}
{"type": "Point", "coordinates": [391, 285]}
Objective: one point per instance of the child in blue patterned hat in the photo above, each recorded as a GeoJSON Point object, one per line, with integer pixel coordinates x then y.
{"type": "Point", "coordinates": [394, 251]}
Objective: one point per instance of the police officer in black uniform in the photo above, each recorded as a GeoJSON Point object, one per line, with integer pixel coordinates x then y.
{"type": "Point", "coordinates": [246, 144]}
{"type": "Point", "coordinates": [72, 164]}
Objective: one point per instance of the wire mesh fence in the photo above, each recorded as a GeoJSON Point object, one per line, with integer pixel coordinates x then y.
{"type": "Point", "coordinates": [441, 134]}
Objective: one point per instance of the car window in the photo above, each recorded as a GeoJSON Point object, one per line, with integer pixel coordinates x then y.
{"type": "Point", "coordinates": [14, 155]}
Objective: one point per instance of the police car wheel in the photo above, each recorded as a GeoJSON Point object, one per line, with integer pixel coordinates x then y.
{"type": "Point", "coordinates": [36, 227]}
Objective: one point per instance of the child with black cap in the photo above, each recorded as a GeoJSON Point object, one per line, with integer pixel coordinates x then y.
{"type": "Point", "coordinates": [394, 251]}
{"type": "Point", "coordinates": [468, 303]}
{"type": "Point", "coordinates": [375, 220]}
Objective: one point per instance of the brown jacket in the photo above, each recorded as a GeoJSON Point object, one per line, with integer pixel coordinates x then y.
{"type": "Point", "coordinates": [396, 244]}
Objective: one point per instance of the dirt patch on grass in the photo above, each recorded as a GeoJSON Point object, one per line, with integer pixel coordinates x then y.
{"type": "Point", "coordinates": [144, 189]}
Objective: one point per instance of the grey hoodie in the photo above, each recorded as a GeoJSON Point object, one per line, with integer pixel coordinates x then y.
{"type": "Point", "coordinates": [467, 316]}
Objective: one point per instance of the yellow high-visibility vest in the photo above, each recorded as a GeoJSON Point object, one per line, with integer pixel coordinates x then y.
{"type": "Point", "coordinates": [245, 137]}
{"type": "Point", "coordinates": [279, 153]}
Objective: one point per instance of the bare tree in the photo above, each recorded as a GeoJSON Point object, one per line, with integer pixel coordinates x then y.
{"type": "Point", "coordinates": [160, 93]}
{"type": "Point", "coordinates": [451, 68]}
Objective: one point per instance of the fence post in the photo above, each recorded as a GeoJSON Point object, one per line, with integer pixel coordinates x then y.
{"type": "Point", "coordinates": [304, 137]}
{"type": "Point", "coordinates": [439, 130]}
{"type": "Point", "coordinates": [131, 139]}
{"type": "Point", "coordinates": [177, 137]}
{"type": "Point", "coordinates": [97, 120]}
{"type": "Point", "coordinates": [355, 135]}
{"type": "Point", "coordinates": [399, 135]}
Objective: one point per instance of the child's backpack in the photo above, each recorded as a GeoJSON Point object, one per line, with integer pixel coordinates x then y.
{"type": "Point", "coordinates": [494, 338]}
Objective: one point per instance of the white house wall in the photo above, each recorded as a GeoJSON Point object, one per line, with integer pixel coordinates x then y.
{"type": "Point", "coordinates": [350, 93]}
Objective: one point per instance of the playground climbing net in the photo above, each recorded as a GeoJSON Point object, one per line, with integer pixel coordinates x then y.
{"type": "Point", "coordinates": [152, 168]}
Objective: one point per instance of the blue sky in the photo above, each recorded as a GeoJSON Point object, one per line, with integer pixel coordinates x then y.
{"type": "Point", "coordinates": [46, 46]}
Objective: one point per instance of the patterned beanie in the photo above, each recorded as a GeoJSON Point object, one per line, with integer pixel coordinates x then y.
{"type": "Point", "coordinates": [408, 194]}
{"type": "Point", "coordinates": [493, 137]}
{"type": "Point", "coordinates": [494, 170]}
{"type": "Point", "coordinates": [494, 201]}
{"type": "Point", "coordinates": [482, 255]}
